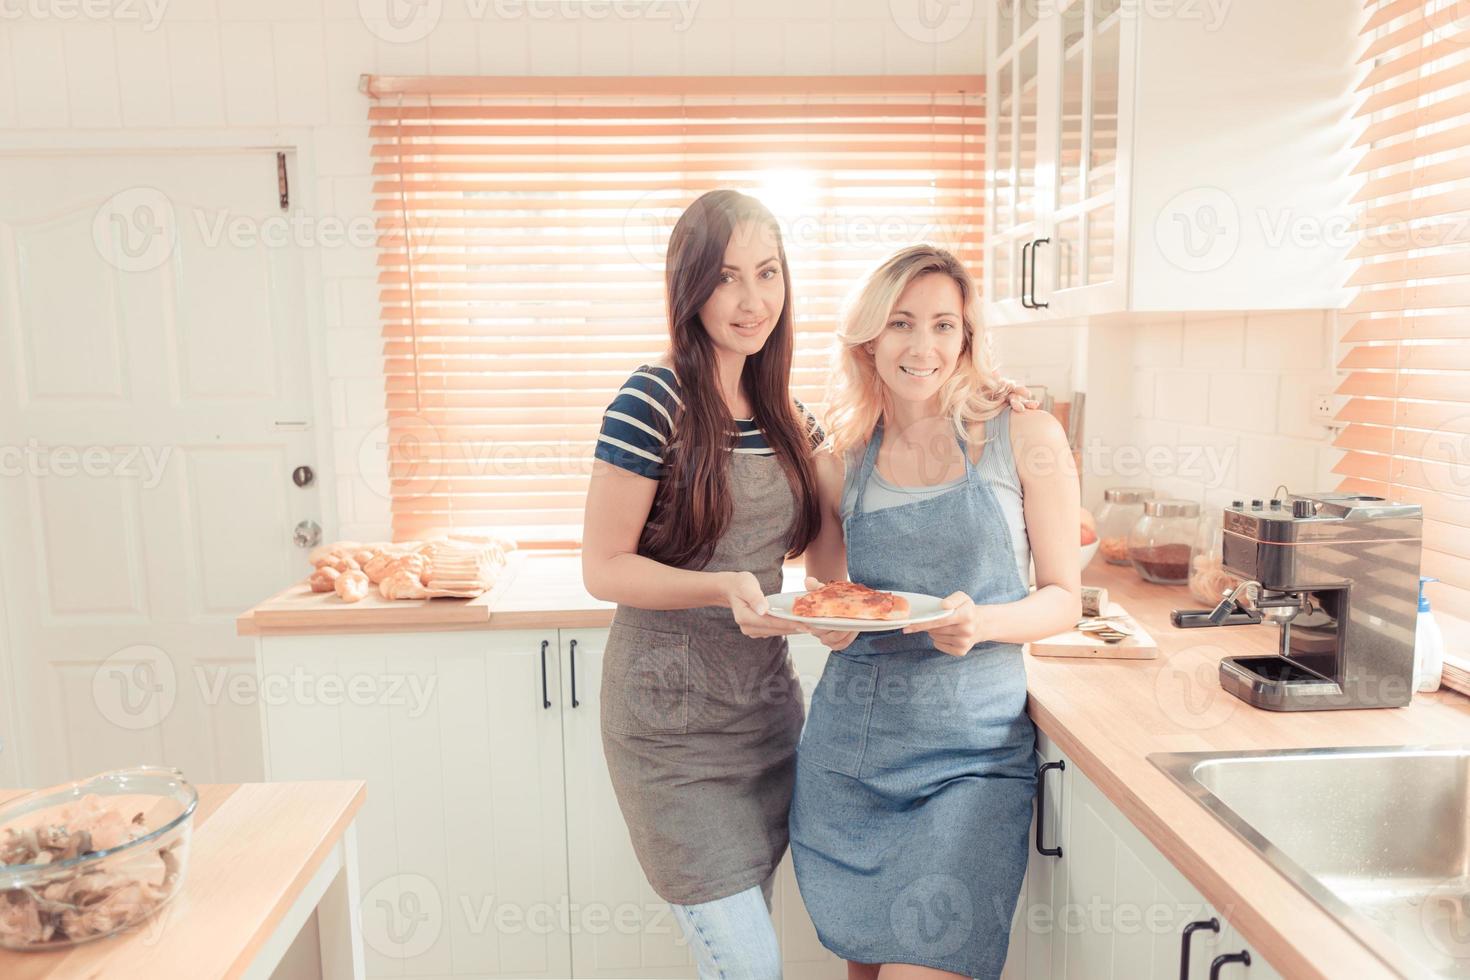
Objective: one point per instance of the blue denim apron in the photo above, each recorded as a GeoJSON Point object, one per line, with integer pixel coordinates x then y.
{"type": "Point", "coordinates": [915, 771]}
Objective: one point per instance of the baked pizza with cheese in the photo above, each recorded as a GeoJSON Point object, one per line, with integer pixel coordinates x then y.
{"type": "Point", "coordinates": [850, 600]}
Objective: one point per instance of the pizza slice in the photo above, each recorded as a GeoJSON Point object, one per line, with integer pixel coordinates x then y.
{"type": "Point", "coordinates": [851, 600]}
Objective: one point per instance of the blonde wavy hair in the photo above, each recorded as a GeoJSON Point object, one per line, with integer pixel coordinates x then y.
{"type": "Point", "coordinates": [857, 399]}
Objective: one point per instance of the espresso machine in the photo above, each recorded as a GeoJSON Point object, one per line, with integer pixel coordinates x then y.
{"type": "Point", "coordinates": [1338, 575]}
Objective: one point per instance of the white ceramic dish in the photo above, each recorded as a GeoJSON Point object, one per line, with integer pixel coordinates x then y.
{"type": "Point", "coordinates": [922, 609]}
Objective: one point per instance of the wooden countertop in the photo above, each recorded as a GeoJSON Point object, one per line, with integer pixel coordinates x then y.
{"type": "Point", "coordinates": [537, 590]}
{"type": "Point", "coordinates": [254, 848]}
{"type": "Point", "coordinates": [1108, 716]}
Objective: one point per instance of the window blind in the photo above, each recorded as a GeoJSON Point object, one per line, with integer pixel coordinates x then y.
{"type": "Point", "coordinates": [522, 229]}
{"type": "Point", "coordinates": [1406, 349]}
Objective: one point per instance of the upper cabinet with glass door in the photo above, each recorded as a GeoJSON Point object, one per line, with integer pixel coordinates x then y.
{"type": "Point", "coordinates": [1166, 155]}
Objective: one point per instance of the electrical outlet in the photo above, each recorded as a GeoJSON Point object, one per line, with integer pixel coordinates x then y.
{"type": "Point", "coordinates": [1322, 410]}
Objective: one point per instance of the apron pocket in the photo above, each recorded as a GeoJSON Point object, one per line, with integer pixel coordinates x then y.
{"type": "Point", "coordinates": [645, 682]}
{"type": "Point", "coordinates": [837, 725]}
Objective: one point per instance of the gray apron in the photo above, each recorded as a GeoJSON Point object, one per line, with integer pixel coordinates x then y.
{"type": "Point", "coordinates": [700, 722]}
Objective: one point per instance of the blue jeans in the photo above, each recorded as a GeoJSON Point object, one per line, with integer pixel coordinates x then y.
{"type": "Point", "coordinates": [733, 938]}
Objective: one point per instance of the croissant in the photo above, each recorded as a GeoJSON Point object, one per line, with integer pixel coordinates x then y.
{"type": "Point", "coordinates": [376, 567]}
{"type": "Point", "coordinates": [352, 586]}
{"type": "Point", "coordinates": [402, 585]}
{"type": "Point", "coordinates": [324, 579]}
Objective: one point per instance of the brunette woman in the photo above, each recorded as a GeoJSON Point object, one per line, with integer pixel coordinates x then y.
{"type": "Point", "coordinates": [702, 485]}
{"type": "Point", "coordinates": [915, 773]}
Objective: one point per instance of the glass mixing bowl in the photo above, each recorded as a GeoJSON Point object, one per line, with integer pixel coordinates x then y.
{"type": "Point", "coordinates": [91, 858]}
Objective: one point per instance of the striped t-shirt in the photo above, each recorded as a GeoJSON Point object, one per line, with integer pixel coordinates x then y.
{"type": "Point", "coordinates": [638, 424]}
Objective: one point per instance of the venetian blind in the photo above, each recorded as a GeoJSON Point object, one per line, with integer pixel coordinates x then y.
{"type": "Point", "coordinates": [1406, 350]}
{"type": "Point", "coordinates": [522, 230]}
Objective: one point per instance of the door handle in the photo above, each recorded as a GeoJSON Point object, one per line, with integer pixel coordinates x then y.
{"type": "Point", "coordinates": [1025, 251]}
{"type": "Point", "coordinates": [1243, 958]}
{"type": "Point", "coordinates": [1041, 806]}
{"type": "Point", "coordinates": [1211, 924]}
{"type": "Point", "coordinates": [575, 702]}
{"type": "Point", "coordinates": [1035, 251]}
{"type": "Point", "coordinates": [545, 694]}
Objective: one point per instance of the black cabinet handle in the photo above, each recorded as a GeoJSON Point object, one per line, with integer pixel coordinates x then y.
{"type": "Point", "coordinates": [575, 702]}
{"type": "Point", "coordinates": [1035, 251]}
{"type": "Point", "coordinates": [1243, 958]}
{"type": "Point", "coordinates": [545, 694]}
{"type": "Point", "coordinates": [1211, 924]}
{"type": "Point", "coordinates": [1025, 251]}
{"type": "Point", "coordinates": [1055, 852]}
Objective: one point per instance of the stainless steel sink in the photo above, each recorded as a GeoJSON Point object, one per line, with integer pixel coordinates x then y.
{"type": "Point", "coordinates": [1377, 836]}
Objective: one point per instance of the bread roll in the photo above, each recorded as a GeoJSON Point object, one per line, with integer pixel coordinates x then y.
{"type": "Point", "coordinates": [324, 579]}
{"type": "Point", "coordinates": [352, 586]}
{"type": "Point", "coordinates": [402, 584]}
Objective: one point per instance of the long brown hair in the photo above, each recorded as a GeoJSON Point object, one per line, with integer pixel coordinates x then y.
{"type": "Point", "coordinates": [691, 508]}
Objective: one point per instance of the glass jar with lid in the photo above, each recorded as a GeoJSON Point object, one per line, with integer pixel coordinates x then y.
{"type": "Point", "coordinates": [1162, 540]}
{"type": "Point", "coordinates": [1208, 580]}
{"type": "Point", "coordinates": [1121, 509]}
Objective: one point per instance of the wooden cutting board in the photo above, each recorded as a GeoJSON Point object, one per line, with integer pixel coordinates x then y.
{"type": "Point", "coordinates": [1075, 643]}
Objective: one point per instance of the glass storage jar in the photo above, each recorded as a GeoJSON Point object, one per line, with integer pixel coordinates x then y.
{"type": "Point", "coordinates": [1162, 540]}
{"type": "Point", "coordinates": [1208, 580]}
{"type": "Point", "coordinates": [1121, 509]}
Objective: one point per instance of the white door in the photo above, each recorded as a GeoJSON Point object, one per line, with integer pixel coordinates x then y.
{"type": "Point", "coordinates": [462, 838]}
{"type": "Point", "coordinates": [622, 928]}
{"type": "Point", "coordinates": [153, 405]}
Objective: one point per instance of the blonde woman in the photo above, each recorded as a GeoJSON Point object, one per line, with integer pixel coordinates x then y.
{"type": "Point", "coordinates": [914, 772]}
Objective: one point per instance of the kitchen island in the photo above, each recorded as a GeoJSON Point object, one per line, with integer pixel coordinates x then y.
{"type": "Point", "coordinates": [487, 781]}
{"type": "Point", "coordinates": [263, 858]}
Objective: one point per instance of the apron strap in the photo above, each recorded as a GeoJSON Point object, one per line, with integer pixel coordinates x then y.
{"type": "Point", "coordinates": [859, 485]}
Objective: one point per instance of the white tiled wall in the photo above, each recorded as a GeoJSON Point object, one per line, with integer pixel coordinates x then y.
{"type": "Point", "coordinates": [1231, 394]}
{"type": "Point", "coordinates": [196, 68]}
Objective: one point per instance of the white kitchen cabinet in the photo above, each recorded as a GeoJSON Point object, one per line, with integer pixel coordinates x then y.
{"type": "Point", "coordinates": [1115, 187]}
{"type": "Point", "coordinates": [462, 838]}
{"type": "Point", "coordinates": [1112, 905]}
{"type": "Point", "coordinates": [491, 841]}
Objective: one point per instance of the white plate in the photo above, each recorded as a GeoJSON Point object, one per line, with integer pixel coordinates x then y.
{"type": "Point", "coordinates": [922, 609]}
